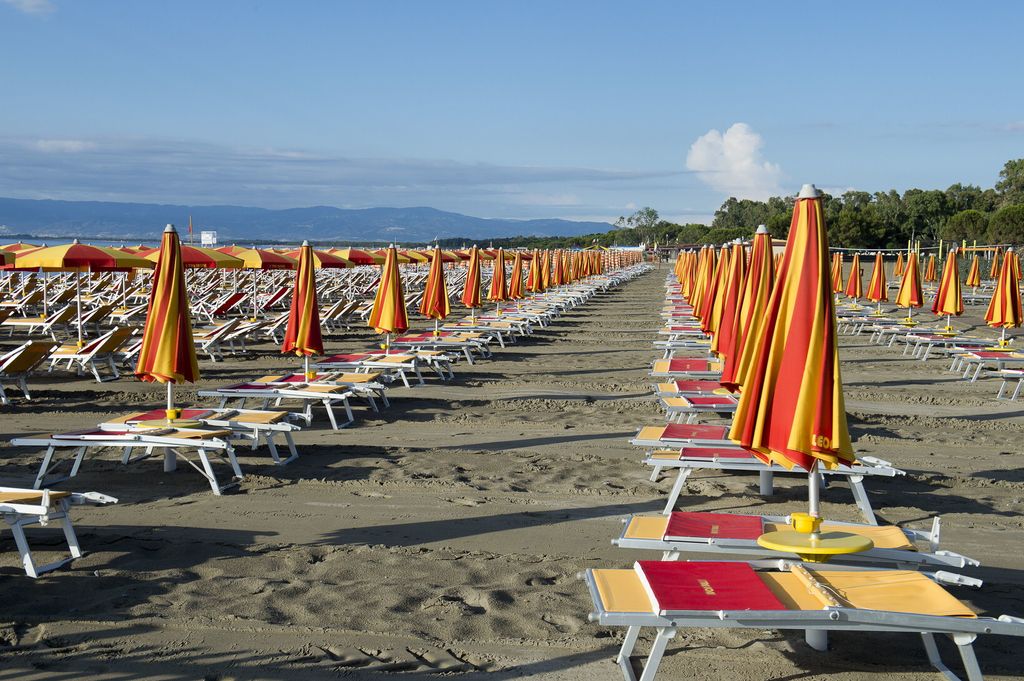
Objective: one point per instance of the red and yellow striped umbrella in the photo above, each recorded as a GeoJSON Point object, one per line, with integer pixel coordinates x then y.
{"type": "Point", "coordinates": [948, 299]}
{"type": "Point", "coordinates": [259, 258]}
{"type": "Point", "coordinates": [401, 258]}
{"type": "Point", "coordinates": [837, 272]}
{"type": "Point", "coordinates": [322, 259]}
{"type": "Point", "coordinates": [389, 315]}
{"type": "Point", "coordinates": [435, 304]}
{"type": "Point", "coordinates": [711, 308]}
{"type": "Point", "coordinates": [878, 287]}
{"type": "Point", "coordinates": [910, 295]}
{"type": "Point", "coordinates": [1004, 310]}
{"type": "Point", "coordinates": [974, 273]}
{"type": "Point", "coordinates": [898, 270]}
{"type": "Point", "coordinates": [724, 340]}
{"type": "Point", "coordinates": [194, 257]}
{"type": "Point", "coordinates": [930, 274]}
{"type": "Point", "coordinates": [705, 275]}
{"type": "Point", "coordinates": [168, 353]}
{"type": "Point", "coordinates": [545, 271]}
{"type": "Point", "coordinates": [302, 337]}
{"type": "Point", "coordinates": [791, 407]}
{"type": "Point", "coordinates": [515, 282]}
{"type": "Point", "coordinates": [358, 256]}
{"type": "Point", "coordinates": [556, 269]}
{"type": "Point", "coordinates": [471, 289]}
{"type": "Point", "coordinates": [566, 268]}
{"type": "Point", "coordinates": [757, 289]}
{"type": "Point", "coordinates": [855, 285]}
{"type": "Point", "coordinates": [534, 278]}
{"type": "Point", "coordinates": [498, 291]}
{"type": "Point", "coordinates": [993, 270]}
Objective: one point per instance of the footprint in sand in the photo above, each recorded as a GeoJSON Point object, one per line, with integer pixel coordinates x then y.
{"type": "Point", "coordinates": [372, 495]}
{"type": "Point", "coordinates": [563, 623]}
{"type": "Point", "coordinates": [466, 501]}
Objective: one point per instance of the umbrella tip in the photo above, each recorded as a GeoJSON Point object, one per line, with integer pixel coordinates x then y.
{"type": "Point", "coordinates": [761, 229]}
{"type": "Point", "coordinates": [169, 228]}
{"type": "Point", "coordinates": [808, 191]}
{"type": "Point", "coordinates": [305, 242]}
{"type": "Point", "coordinates": [76, 241]}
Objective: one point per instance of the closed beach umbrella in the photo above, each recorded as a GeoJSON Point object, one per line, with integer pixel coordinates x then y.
{"type": "Point", "coordinates": [878, 291]}
{"type": "Point", "coordinates": [434, 304]}
{"type": "Point", "coordinates": [910, 295]}
{"type": "Point", "coordinates": [716, 284]}
{"type": "Point", "coordinates": [791, 408]}
{"type": "Point", "coordinates": [723, 342]}
{"type": "Point", "coordinates": [898, 270]}
{"type": "Point", "coordinates": [929, 270]}
{"type": "Point", "coordinates": [515, 282]}
{"type": "Point", "coordinates": [302, 336]}
{"type": "Point", "coordinates": [545, 271]}
{"type": "Point", "coordinates": [533, 275]}
{"type": "Point", "coordinates": [168, 352]}
{"type": "Point", "coordinates": [974, 273]}
{"type": "Point", "coordinates": [556, 269]}
{"type": "Point", "coordinates": [389, 315]}
{"type": "Point", "coordinates": [854, 285]}
{"type": "Point", "coordinates": [948, 299]}
{"type": "Point", "coordinates": [757, 290]}
{"type": "Point", "coordinates": [993, 270]}
{"type": "Point", "coordinates": [1004, 310]}
{"type": "Point", "coordinates": [837, 272]}
{"type": "Point", "coordinates": [471, 288]}
{"type": "Point", "coordinates": [498, 291]}
{"type": "Point", "coordinates": [705, 275]}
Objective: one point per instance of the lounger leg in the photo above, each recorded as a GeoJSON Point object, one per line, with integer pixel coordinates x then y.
{"type": "Point", "coordinates": [860, 495]}
{"type": "Point", "coordinates": [348, 411]}
{"type": "Point", "coordinates": [817, 639]}
{"type": "Point", "coordinates": [291, 447]}
{"type": "Point", "coordinates": [330, 414]}
{"type": "Point", "coordinates": [26, 554]}
{"type": "Point", "coordinates": [3, 397]}
{"type": "Point", "coordinates": [632, 633]}
{"type": "Point", "coordinates": [1016, 391]}
{"type": "Point", "coordinates": [419, 374]}
{"type": "Point", "coordinates": [209, 471]}
{"type": "Point", "coordinates": [405, 379]}
{"type": "Point", "coordinates": [23, 384]}
{"type": "Point", "coordinates": [171, 460]}
{"type": "Point", "coordinates": [69, 534]}
{"type": "Point", "coordinates": [766, 486]}
{"type": "Point", "coordinates": [677, 488]}
{"type": "Point", "coordinates": [44, 467]}
{"type": "Point", "coordinates": [964, 643]}
{"type": "Point", "coordinates": [1002, 388]}
{"type": "Point", "coordinates": [271, 445]}
{"type": "Point", "coordinates": [665, 634]}
{"type": "Point", "coordinates": [655, 474]}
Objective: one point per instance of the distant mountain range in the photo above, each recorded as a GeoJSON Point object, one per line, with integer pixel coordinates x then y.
{"type": "Point", "coordinates": [131, 221]}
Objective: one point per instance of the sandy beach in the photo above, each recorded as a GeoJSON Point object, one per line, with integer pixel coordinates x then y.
{"type": "Point", "coordinates": [443, 536]}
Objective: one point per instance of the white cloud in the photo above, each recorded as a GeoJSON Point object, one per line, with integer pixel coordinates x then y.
{"type": "Point", "coordinates": [37, 7]}
{"type": "Point", "coordinates": [630, 206]}
{"type": "Point", "coordinates": [732, 163]}
{"type": "Point", "coordinates": [64, 146]}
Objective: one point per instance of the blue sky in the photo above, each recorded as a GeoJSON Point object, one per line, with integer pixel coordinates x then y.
{"type": "Point", "coordinates": [519, 109]}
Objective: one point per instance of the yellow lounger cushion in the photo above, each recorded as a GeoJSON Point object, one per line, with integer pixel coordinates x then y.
{"type": "Point", "coordinates": [646, 527]}
{"type": "Point", "coordinates": [621, 591]}
{"type": "Point", "coordinates": [650, 433]}
{"type": "Point", "coordinates": [29, 497]}
{"type": "Point", "coordinates": [883, 537]}
{"type": "Point", "coordinates": [666, 454]}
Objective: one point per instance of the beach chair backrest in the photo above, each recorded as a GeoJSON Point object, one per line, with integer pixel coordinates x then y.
{"type": "Point", "coordinates": [25, 358]}
{"type": "Point", "coordinates": [62, 316]}
{"type": "Point", "coordinates": [114, 340]}
{"type": "Point", "coordinates": [4, 314]}
{"type": "Point", "coordinates": [280, 293]}
{"type": "Point", "coordinates": [229, 302]}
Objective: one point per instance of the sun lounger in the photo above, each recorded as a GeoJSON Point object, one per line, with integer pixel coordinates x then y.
{"type": "Point", "coordinates": [17, 364]}
{"type": "Point", "coordinates": [39, 325]}
{"type": "Point", "coordinates": [21, 508]}
{"type": "Point", "coordinates": [978, 360]}
{"type": "Point", "coordinates": [700, 447]}
{"type": "Point", "coordinates": [307, 394]}
{"type": "Point", "coordinates": [466, 344]}
{"type": "Point", "coordinates": [100, 350]}
{"type": "Point", "coordinates": [691, 406]}
{"type": "Point", "coordinates": [688, 367]}
{"type": "Point", "coordinates": [174, 442]}
{"type": "Point", "coordinates": [364, 385]}
{"type": "Point", "coordinates": [210, 340]}
{"type": "Point", "coordinates": [400, 364]}
{"type": "Point", "coordinates": [251, 424]}
{"type": "Point", "coordinates": [668, 595]}
{"type": "Point", "coordinates": [735, 536]}
{"type": "Point", "coordinates": [689, 387]}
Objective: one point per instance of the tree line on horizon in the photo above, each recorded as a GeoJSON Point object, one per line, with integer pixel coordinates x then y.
{"type": "Point", "coordinates": [855, 219]}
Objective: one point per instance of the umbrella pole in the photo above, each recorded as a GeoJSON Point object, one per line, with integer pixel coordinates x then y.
{"type": "Point", "coordinates": [309, 376]}
{"type": "Point", "coordinates": [387, 343]}
{"type": "Point", "coordinates": [45, 310]}
{"type": "Point", "coordinates": [78, 304]}
{"type": "Point", "coordinates": [254, 295]}
{"type": "Point", "coordinates": [171, 415]}
{"type": "Point", "coordinates": [437, 329]}
{"type": "Point", "coordinates": [1002, 338]}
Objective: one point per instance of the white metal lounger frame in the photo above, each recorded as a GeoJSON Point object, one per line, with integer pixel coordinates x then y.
{"type": "Point", "coordinates": [47, 511]}
{"type": "Point", "coordinates": [817, 623]}
{"type": "Point", "coordinates": [854, 475]}
{"type": "Point", "coordinates": [277, 394]}
{"type": "Point", "coordinates": [747, 549]}
{"type": "Point", "coordinates": [173, 448]}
